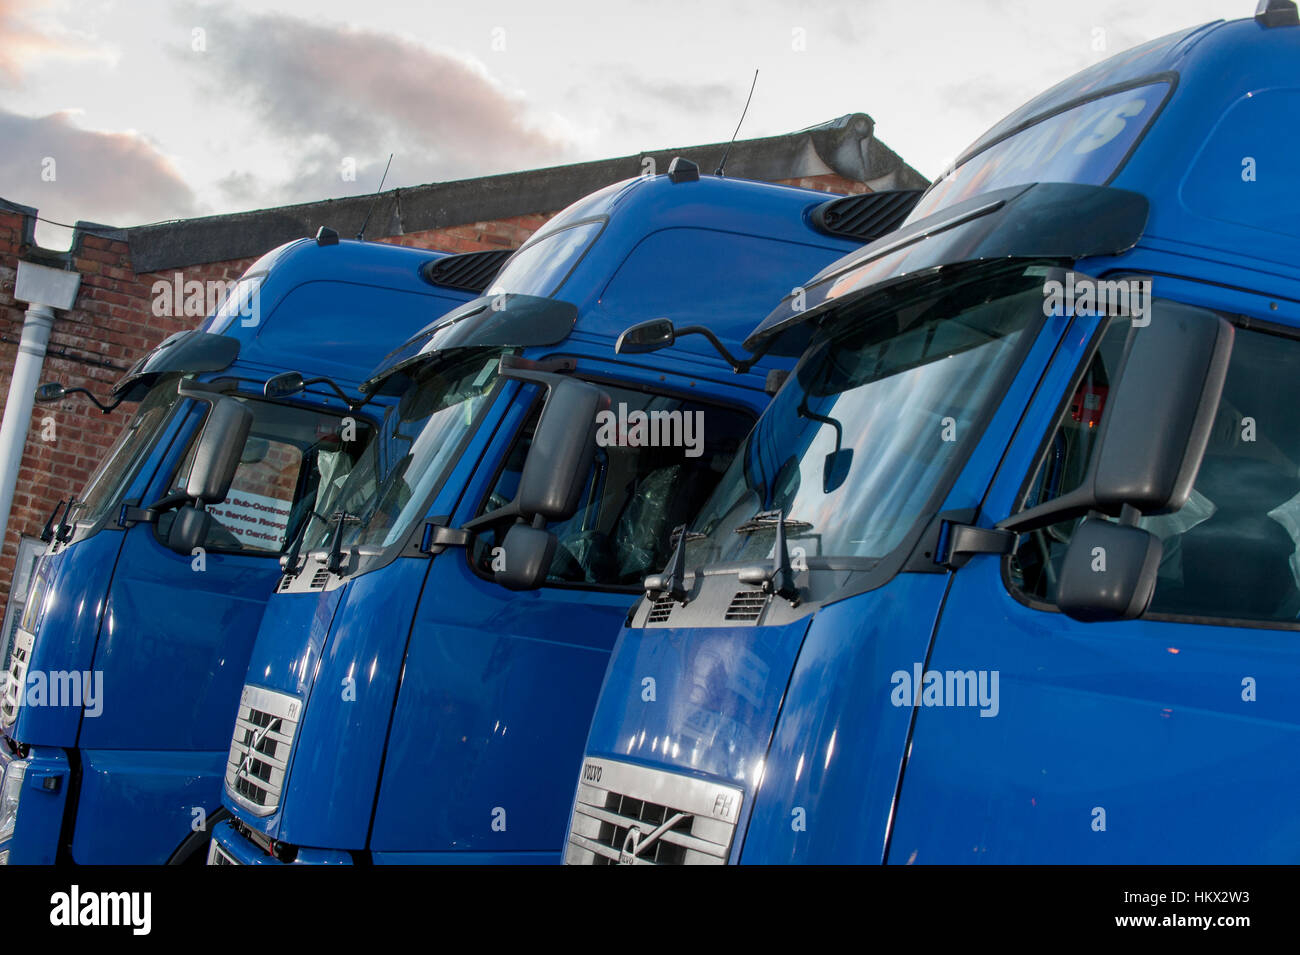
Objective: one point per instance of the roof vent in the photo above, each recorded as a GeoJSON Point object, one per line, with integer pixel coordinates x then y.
{"type": "Point", "coordinates": [683, 170]}
{"type": "Point", "coordinates": [1277, 13]}
{"type": "Point", "coordinates": [326, 236]}
{"type": "Point", "coordinates": [866, 217]}
{"type": "Point", "coordinates": [468, 271]}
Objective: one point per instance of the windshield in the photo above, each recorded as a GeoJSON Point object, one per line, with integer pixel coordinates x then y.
{"type": "Point", "coordinates": [540, 267]}
{"type": "Point", "coordinates": [1085, 144]}
{"type": "Point", "coordinates": [118, 469]}
{"type": "Point", "coordinates": [890, 392]}
{"type": "Point", "coordinates": [388, 488]}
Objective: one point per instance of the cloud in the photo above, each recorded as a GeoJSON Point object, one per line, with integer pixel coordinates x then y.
{"type": "Point", "coordinates": [117, 178]}
{"type": "Point", "coordinates": [329, 93]}
{"type": "Point", "coordinates": [26, 36]}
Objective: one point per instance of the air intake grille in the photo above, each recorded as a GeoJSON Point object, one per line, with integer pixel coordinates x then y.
{"type": "Point", "coordinates": [17, 676]}
{"type": "Point", "coordinates": [320, 578]}
{"type": "Point", "coordinates": [632, 815]}
{"type": "Point", "coordinates": [746, 605]}
{"type": "Point", "coordinates": [285, 582]}
{"type": "Point", "coordinates": [868, 216]}
{"type": "Point", "coordinates": [259, 750]}
{"type": "Point", "coordinates": [470, 271]}
{"type": "Point", "coordinates": [661, 609]}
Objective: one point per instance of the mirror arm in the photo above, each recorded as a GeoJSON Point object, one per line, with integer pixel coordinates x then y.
{"type": "Point", "coordinates": [438, 536]}
{"type": "Point", "coordinates": [508, 512]}
{"type": "Point", "coordinates": [352, 403]}
{"type": "Point", "coordinates": [739, 366]}
{"type": "Point", "coordinates": [1075, 504]}
{"type": "Point", "coordinates": [104, 408]}
{"type": "Point", "coordinates": [134, 514]}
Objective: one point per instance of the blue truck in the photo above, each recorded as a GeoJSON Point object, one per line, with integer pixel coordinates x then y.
{"type": "Point", "coordinates": [127, 666]}
{"type": "Point", "coordinates": [1007, 572]}
{"type": "Point", "coordinates": [423, 678]}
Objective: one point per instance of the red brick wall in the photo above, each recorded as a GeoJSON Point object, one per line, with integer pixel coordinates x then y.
{"type": "Point", "coordinates": [113, 324]}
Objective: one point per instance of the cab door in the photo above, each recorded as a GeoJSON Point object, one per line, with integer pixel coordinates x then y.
{"type": "Point", "coordinates": [1170, 738]}
{"type": "Point", "coordinates": [498, 686]}
{"type": "Point", "coordinates": [178, 627]}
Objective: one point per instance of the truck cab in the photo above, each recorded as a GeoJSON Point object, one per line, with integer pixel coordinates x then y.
{"type": "Point", "coordinates": [1009, 570]}
{"type": "Point", "coordinates": [127, 667]}
{"type": "Point", "coordinates": [423, 678]}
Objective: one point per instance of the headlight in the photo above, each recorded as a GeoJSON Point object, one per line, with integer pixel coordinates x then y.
{"type": "Point", "coordinates": [10, 790]}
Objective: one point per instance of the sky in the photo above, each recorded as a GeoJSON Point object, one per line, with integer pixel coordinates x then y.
{"type": "Point", "coordinates": [132, 111]}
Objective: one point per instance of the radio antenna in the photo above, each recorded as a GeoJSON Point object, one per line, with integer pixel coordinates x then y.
{"type": "Point", "coordinates": [361, 236]}
{"type": "Point", "coordinates": [727, 152]}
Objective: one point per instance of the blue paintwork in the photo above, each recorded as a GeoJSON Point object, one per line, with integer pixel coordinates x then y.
{"type": "Point", "coordinates": [173, 645]}
{"type": "Point", "coordinates": [1143, 718]}
{"type": "Point", "coordinates": [471, 698]}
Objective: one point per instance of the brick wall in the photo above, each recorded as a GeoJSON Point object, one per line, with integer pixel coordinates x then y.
{"type": "Point", "coordinates": [113, 324]}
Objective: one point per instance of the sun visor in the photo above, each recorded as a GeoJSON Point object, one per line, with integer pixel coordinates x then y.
{"type": "Point", "coordinates": [187, 353]}
{"type": "Point", "coordinates": [493, 321]}
{"type": "Point", "coordinates": [1048, 220]}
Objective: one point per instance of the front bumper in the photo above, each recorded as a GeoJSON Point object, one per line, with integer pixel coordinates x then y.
{"type": "Point", "coordinates": [230, 847]}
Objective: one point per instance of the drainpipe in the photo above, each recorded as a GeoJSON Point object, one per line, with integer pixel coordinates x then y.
{"type": "Point", "coordinates": [43, 289]}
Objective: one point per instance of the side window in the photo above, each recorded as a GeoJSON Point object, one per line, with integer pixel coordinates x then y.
{"type": "Point", "coordinates": [294, 462]}
{"type": "Point", "coordinates": [1233, 550]}
{"type": "Point", "coordinates": [656, 463]}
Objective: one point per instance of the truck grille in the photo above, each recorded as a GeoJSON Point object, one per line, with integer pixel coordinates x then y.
{"type": "Point", "coordinates": [632, 815]}
{"type": "Point", "coordinates": [259, 750]}
{"type": "Point", "coordinates": [16, 678]}
{"type": "Point", "coordinates": [219, 856]}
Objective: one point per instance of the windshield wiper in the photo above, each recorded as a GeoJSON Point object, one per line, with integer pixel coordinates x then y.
{"type": "Point", "coordinates": [672, 581]}
{"type": "Point", "coordinates": [289, 561]}
{"type": "Point", "coordinates": [334, 563]}
{"type": "Point", "coordinates": [779, 578]}
{"type": "Point", "coordinates": [769, 519]}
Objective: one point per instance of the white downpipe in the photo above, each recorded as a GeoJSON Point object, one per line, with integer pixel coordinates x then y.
{"type": "Point", "coordinates": [37, 323]}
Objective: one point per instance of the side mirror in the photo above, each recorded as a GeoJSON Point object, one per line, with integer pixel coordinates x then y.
{"type": "Point", "coordinates": [189, 529]}
{"type": "Point", "coordinates": [527, 552]}
{"type": "Point", "coordinates": [1154, 432]}
{"type": "Point", "coordinates": [835, 469]}
{"type": "Point", "coordinates": [220, 447]}
{"type": "Point", "coordinates": [1109, 571]}
{"type": "Point", "coordinates": [646, 337]}
{"type": "Point", "coordinates": [50, 391]}
{"type": "Point", "coordinates": [284, 385]}
{"type": "Point", "coordinates": [563, 448]}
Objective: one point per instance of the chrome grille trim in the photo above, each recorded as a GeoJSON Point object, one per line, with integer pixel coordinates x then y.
{"type": "Point", "coordinates": [259, 748]}
{"type": "Point", "coordinates": [219, 856]}
{"type": "Point", "coordinates": [16, 677]}
{"type": "Point", "coordinates": [633, 815]}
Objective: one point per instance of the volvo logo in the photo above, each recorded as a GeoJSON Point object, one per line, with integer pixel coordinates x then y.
{"type": "Point", "coordinates": [251, 753]}
{"type": "Point", "coordinates": [636, 841]}
{"type": "Point", "coordinates": [591, 772]}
